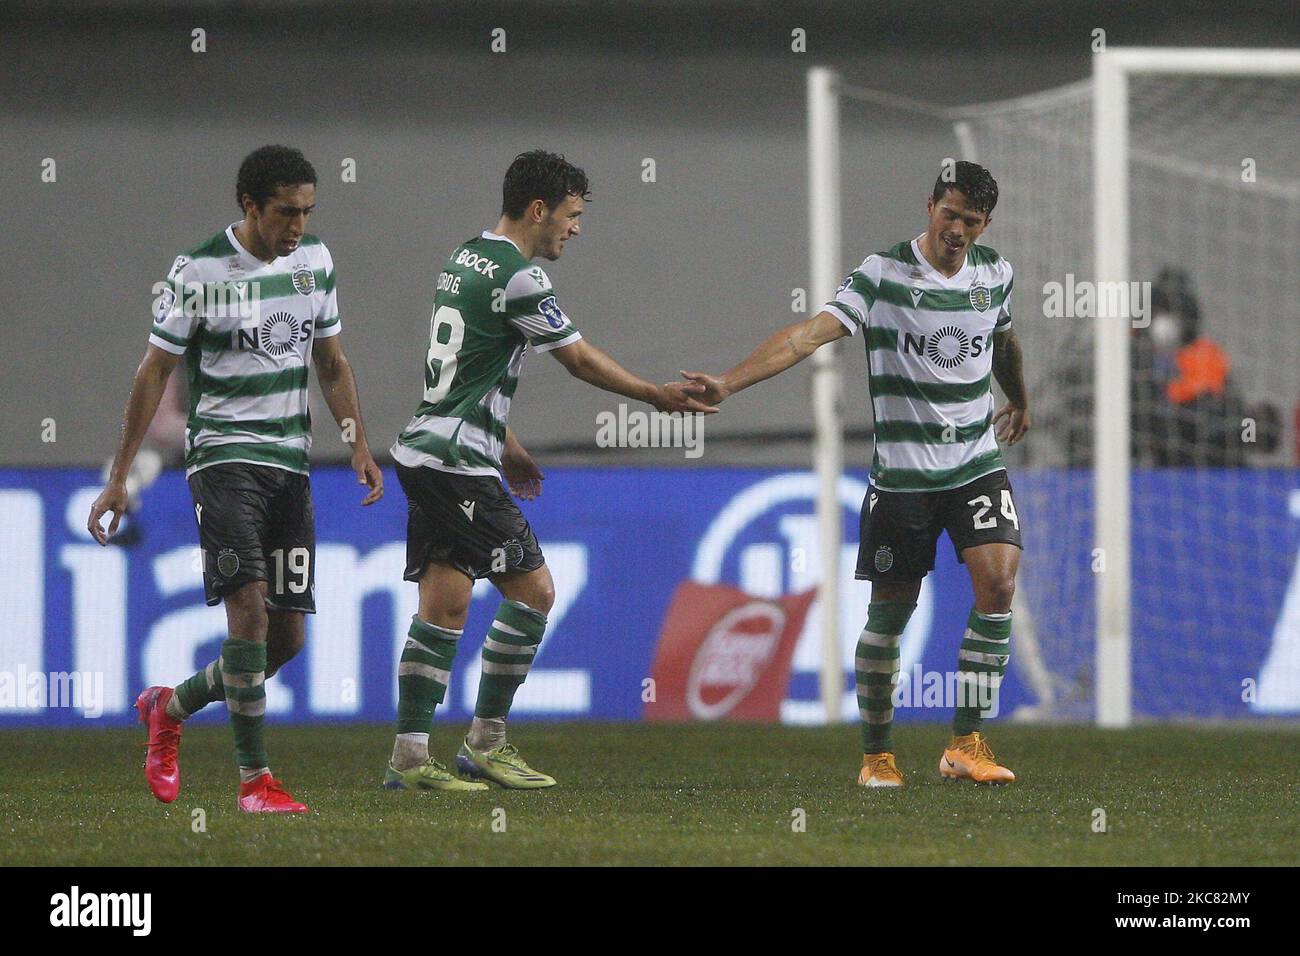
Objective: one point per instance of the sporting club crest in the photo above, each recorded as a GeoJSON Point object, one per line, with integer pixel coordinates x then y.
{"type": "Point", "coordinates": [514, 552]}
{"type": "Point", "coordinates": [980, 297]}
{"type": "Point", "coordinates": [304, 280]}
{"type": "Point", "coordinates": [228, 563]}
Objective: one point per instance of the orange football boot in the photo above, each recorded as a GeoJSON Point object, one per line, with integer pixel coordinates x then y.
{"type": "Point", "coordinates": [879, 770]}
{"type": "Point", "coordinates": [969, 758]}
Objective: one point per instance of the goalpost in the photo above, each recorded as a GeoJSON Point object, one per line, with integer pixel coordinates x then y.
{"type": "Point", "coordinates": [1149, 134]}
{"type": "Point", "coordinates": [1111, 77]}
{"type": "Point", "coordinates": [828, 451]}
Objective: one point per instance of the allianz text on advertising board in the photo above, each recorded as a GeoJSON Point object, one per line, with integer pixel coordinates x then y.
{"type": "Point", "coordinates": [619, 541]}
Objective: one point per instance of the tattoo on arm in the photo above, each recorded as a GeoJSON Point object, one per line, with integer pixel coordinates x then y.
{"type": "Point", "coordinates": [1008, 367]}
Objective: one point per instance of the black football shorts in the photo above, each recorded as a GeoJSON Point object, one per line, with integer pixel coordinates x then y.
{"type": "Point", "coordinates": [467, 521]}
{"type": "Point", "coordinates": [256, 524]}
{"type": "Point", "coordinates": [900, 529]}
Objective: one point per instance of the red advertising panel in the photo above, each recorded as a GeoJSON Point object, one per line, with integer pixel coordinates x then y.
{"type": "Point", "coordinates": [724, 654]}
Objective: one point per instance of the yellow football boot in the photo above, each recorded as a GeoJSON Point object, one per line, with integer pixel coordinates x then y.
{"type": "Point", "coordinates": [969, 758]}
{"type": "Point", "coordinates": [879, 770]}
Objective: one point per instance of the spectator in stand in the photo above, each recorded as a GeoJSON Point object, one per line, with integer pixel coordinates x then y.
{"type": "Point", "coordinates": [1186, 412]}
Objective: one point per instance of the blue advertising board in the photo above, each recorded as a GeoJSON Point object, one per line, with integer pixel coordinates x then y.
{"type": "Point", "coordinates": [1209, 619]}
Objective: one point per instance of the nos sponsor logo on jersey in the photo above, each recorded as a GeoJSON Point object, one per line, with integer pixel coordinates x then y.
{"type": "Point", "coordinates": [278, 334]}
{"type": "Point", "coordinates": [551, 310]}
{"type": "Point", "coordinates": [304, 280]}
{"type": "Point", "coordinates": [946, 348]}
{"type": "Point", "coordinates": [980, 297]}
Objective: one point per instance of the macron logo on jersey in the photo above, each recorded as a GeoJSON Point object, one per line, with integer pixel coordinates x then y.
{"type": "Point", "coordinates": [480, 264]}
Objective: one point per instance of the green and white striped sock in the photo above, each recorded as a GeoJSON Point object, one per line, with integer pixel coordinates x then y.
{"type": "Point", "coordinates": [876, 670]}
{"type": "Point", "coordinates": [196, 692]}
{"type": "Point", "coordinates": [422, 675]}
{"type": "Point", "coordinates": [243, 675]}
{"type": "Point", "coordinates": [981, 663]}
{"type": "Point", "coordinates": [507, 655]}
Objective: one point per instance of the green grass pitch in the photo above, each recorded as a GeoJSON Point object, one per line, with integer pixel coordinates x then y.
{"type": "Point", "coordinates": [655, 795]}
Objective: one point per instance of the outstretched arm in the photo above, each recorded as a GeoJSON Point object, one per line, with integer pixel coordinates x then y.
{"type": "Point", "coordinates": [583, 360]}
{"type": "Point", "coordinates": [146, 392]}
{"type": "Point", "coordinates": [339, 386]}
{"type": "Point", "coordinates": [1012, 419]}
{"type": "Point", "coordinates": [778, 352]}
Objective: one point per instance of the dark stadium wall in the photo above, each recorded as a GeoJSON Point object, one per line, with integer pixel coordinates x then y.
{"type": "Point", "coordinates": [689, 270]}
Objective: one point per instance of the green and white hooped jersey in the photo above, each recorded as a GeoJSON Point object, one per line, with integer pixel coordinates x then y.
{"type": "Point", "coordinates": [246, 329]}
{"type": "Point", "coordinates": [490, 306]}
{"type": "Point", "coordinates": [929, 341]}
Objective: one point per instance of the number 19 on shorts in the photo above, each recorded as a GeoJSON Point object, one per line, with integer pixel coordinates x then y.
{"type": "Point", "coordinates": [297, 562]}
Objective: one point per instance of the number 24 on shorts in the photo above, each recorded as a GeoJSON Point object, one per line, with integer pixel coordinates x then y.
{"type": "Point", "coordinates": [981, 517]}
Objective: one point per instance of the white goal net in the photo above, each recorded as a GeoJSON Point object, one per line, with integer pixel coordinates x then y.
{"type": "Point", "coordinates": [1214, 240]}
{"type": "Point", "coordinates": [1211, 302]}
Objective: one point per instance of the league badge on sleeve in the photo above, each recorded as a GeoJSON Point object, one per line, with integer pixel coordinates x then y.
{"type": "Point", "coordinates": [163, 304]}
{"type": "Point", "coordinates": [550, 309]}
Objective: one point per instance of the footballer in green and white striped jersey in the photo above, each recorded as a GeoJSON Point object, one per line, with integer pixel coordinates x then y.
{"type": "Point", "coordinates": [929, 342]}
{"type": "Point", "coordinates": [246, 329]}
{"type": "Point", "coordinates": [249, 310]}
{"type": "Point", "coordinates": [936, 319]}
{"type": "Point", "coordinates": [491, 304]}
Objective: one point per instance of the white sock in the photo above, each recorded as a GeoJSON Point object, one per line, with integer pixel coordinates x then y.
{"type": "Point", "coordinates": [487, 733]}
{"type": "Point", "coordinates": [249, 774]}
{"type": "Point", "coordinates": [410, 750]}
